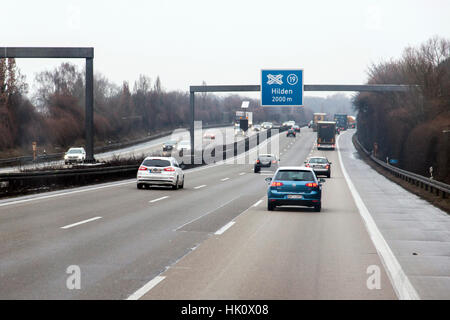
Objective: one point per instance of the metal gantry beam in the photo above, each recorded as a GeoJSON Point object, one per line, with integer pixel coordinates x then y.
{"type": "Point", "coordinates": [310, 87]}
{"type": "Point", "coordinates": [64, 52]}
{"type": "Point", "coordinates": [306, 87]}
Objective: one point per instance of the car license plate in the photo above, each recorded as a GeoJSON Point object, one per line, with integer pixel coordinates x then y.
{"type": "Point", "coordinates": [155, 170]}
{"type": "Point", "coordinates": [294, 196]}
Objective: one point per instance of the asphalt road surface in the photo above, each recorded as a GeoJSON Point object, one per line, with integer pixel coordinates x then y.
{"type": "Point", "coordinates": [215, 238]}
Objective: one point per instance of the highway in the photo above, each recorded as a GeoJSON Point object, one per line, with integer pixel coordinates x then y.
{"type": "Point", "coordinates": [225, 133]}
{"type": "Point", "coordinates": [212, 239]}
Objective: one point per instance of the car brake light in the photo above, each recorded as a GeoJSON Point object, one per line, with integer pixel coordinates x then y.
{"type": "Point", "coordinates": [311, 184]}
{"type": "Point", "coordinates": [142, 168]}
{"type": "Point", "coordinates": [274, 161]}
{"type": "Point", "coordinates": [276, 184]}
{"type": "Point", "coordinates": [169, 169]}
{"type": "Point", "coordinates": [327, 166]}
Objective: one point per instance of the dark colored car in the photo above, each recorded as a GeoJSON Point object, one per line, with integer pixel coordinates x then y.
{"type": "Point", "coordinates": [291, 133]}
{"type": "Point", "coordinates": [296, 128]}
{"type": "Point", "coordinates": [168, 147]}
{"type": "Point", "coordinates": [320, 165]}
{"type": "Point", "coordinates": [266, 161]}
{"type": "Point", "coordinates": [294, 186]}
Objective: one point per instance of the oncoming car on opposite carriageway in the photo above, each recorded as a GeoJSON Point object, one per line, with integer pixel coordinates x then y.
{"type": "Point", "coordinates": [160, 171]}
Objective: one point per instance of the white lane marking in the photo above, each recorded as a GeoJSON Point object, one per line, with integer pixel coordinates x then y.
{"type": "Point", "coordinates": [199, 187]}
{"type": "Point", "coordinates": [146, 288]}
{"type": "Point", "coordinates": [242, 173]}
{"type": "Point", "coordinates": [266, 174]}
{"type": "Point", "coordinates": [81, 222]}
{"type": "Point", "coordinates": [64, 193]}
{"type": "Point", "coordinates": [154, 200]}
{"type": "Point", "coordinates": [224, 179]}
{"type": "Point", "coordinates": [224, 228]}
{"type": "Point", "coordinates": [205, 214]}
{"type": "Point", "coordinates": [402, 286]}
{"type": "Point", "coordinates": [257, 203]}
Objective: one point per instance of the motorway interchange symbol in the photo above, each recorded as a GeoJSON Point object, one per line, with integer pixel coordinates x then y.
{"type": "Point", "coordinates": [275, 79]}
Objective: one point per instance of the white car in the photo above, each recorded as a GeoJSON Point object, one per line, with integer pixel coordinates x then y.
{"type": "Point", "coordinates": [184, 145]}
{"type": "Point", "coordinates": [267, 125]}
{"type": "Point", "coordinates": [162, 171]}
{"type": "Point", "coordinates": [77, 155]}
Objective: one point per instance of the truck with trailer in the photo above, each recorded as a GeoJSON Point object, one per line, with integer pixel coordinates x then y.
{"type": "Point", "coordinates": [341, 121]}
{"type": "Point", "coordinates": [326, 135]}
{"type": "Point", "coordinates": [351, 122]}
{"type": "Point", "coordinates": [318, 116]}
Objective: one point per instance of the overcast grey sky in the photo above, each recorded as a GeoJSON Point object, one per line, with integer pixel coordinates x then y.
{"type": "Point", "coordinates": [224, 42]}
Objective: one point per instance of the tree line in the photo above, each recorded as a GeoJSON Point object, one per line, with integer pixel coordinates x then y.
{"type": "Point", "coordinates": [53, 115]}
{"type": "Point", "coordinates": [412, 127]}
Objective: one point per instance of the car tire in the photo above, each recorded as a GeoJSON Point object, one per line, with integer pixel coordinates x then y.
{"type": "Point", "coordinates": [318, 208]}
{"type": "Point", "coordinates": [175, 186]}
{"type": "Point", "coordinates": [182, 184]}
{"type": "Point", "coordinates": [140, 186]}
{"type": "Point", "coordinates": [329, 174]}
{"type": "Point", "coordinates": [257, 170]}
{"type": "Point", "coordinates": [270, 206]}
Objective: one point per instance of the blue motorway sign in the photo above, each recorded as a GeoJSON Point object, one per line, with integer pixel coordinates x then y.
{"type": "Point", "coordinates": [282, 87]}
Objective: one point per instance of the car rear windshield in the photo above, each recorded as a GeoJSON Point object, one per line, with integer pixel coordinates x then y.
{"type": "Point", "coordinates": [156, 163]}
{"type": "Point", "coordinates": [294, 175]}
{"type": "Point", "coordinates": [318, 160]}
{"type": "Point", "coordinates": [266, 158]}
{"type": "Point", "coordinates": [75, 151]}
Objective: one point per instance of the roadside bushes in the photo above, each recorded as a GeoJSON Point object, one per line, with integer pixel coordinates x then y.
{"type": "Point", "coordinates": [411, 127]}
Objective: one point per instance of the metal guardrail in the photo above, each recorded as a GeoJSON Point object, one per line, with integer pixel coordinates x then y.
{"type": "Point", "coordinates": [16, 183]}
{"type": "Point", "coordinates": [18, 161]}
{"type": "Point", "coordinates": [426, 183]}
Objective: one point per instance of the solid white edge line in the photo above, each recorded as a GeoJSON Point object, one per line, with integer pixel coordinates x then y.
{"type": "Point", "coordinates": [399, 280]}
{"type": "Point", "coordinates": [199, 187]}
{"type": "Point", "coordinates": [146, 288]}
{"type": "Point", "coordinates": [257, 203]}
{"type": "Point", "coordinates": [81, 222]}
{"type": "Point", "coordinates": [224, 228]}
{"type": "Point", "coordinates": [154, 200]}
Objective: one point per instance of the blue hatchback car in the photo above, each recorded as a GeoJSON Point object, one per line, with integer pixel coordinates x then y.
{"type": "Point", "coordinates": [294, 186]}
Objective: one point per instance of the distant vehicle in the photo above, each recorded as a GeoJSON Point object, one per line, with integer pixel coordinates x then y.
{"type": "Point", "coordinates": [75, 155]}
{"type": "Point", "coordinates": [318, 116]}
{"type": "Point", "coordinates": [161, 171]}
{"type": "Point", "coordinates": [183, 146]}
{"type": "Point", "coordinates": [291, 133]}
{"type": "Point", "coordinates": [257, 127]}
{"type": "Point", "coordinates": [341, 121]}
{"type": "Point", "coordinates": [239, 132]}
{"type": "Point", "coordinates": [294, 186]}
{"type": "Point", "coordinates": [296, 128]}
{"type": "Point", "coordinates": [169, 145]}
{"type": "Point", "coordinates": [351, 122]}
{"type": "Point", "coordinates": [320, 165]}
{"type": "Point", "coordinates": [326, 135]}
{"type": "Point", "coordinates": [210, 136]}
{"type": "Point", "coordinates": [267, 125]}
{"type": "Point", "coordinates": [266, 161]}
{"type": "Point", "coordinates": [288, 124]}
